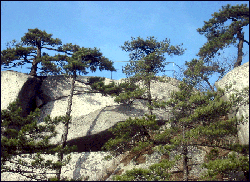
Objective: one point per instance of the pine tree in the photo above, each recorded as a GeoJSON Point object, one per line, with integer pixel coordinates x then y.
{"type": "Point", "coordinates": [199, 119]}
{"type": "Point", "coordinates": [29, 50]}
{"type": "Point", "coordinates": [147, 60]}
{"type": "Point", "coordinates": [220, 35]}
{"type": "Point", "coordinates": [198, 72]}
{"type": "Point", "coordinates": [123, 92]}
{"type": "Point", "coordinates": [81, 60]}
{"type": "Point", "coordinates": [23, 135]}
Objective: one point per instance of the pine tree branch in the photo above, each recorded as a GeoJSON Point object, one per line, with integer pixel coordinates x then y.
{"type": "Point", "coordinates": [57, 50]}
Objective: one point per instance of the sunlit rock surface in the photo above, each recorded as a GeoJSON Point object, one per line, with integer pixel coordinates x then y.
{"type": "Point", "coordinates": [239, 79]}
{"type": "Point", "coordinates": [93, 114]}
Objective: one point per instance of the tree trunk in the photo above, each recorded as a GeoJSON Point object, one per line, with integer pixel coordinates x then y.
{"type": "Point", "coordinates": [36, 60]}
{"type": "Point", "coordinates": [149, 97]}
{"type": "Point", "coordinates": [240, 36]}
{"type": "Point", "coordinates": [66, 126]}
{"type": "Point", "coordinates": [34, 68]}
{"type": "Point", "coordinates": [206, 80]}
{"type": "Point", "coordinates": [185, 158]}
{"type": "Point", "coordinates": [185, 163]}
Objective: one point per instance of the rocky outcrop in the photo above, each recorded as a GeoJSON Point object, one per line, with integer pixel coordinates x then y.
{"type": "Point", "coordinates": [92, 115]}
{"type": "Point", "coordinates": [239, 79]}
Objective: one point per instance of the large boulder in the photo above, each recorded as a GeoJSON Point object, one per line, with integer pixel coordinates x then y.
{"type": "Point", "coordinates": [239, 79]}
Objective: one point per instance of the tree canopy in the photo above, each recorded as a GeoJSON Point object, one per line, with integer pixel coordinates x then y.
{"type": "Point", "coordinates": [220, 35]}
{"type": "Point", "coordinates": [29, 50]}
{"type": "Point", "coordinates": [147, 59]}
{"type": "Point", "coordinates": [148, 55]}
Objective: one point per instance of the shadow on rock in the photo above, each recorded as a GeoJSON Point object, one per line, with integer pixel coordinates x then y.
{"type": "Point", "coordinates": [91, 142]}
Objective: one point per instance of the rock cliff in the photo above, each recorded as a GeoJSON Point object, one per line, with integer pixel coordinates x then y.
{"type": "Point", "coordinates": [239, 79]}
{"type": "Point", "coordinates": [92, 115]}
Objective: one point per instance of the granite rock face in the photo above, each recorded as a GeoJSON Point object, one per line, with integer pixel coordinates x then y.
{"type": "Point", "coordinates": [239, 79]}
{"type": "Point", "coordinates": [22, 86]}
{"type": "Point", "coordinates": [92, 115]}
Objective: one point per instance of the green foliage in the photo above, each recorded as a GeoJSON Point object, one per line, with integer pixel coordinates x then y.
{"type": "Point", "coordinates": [29, 51]}
{"type": "Point", "coordinates": [141, 145]}
{"type": "Point", "coordinates": [243, 149]}
{"type": "Point", "coordinates": [148, 51]}
{"type": "Point", "coordinates": [108, 157]}
{"type": "Point", "coordinates": [198, 117]}
{"type": "Point", "coordinates": [200, 114]}
{"type": "Point", "coordinates": [146, 60]}
{"type": "Point", "coordinates": [126, 132]}
{"type": "Point", "coordinates": [19, 134]}
{"type": "Point", "coordinates": [82, 59]}
{"type": "Point", "coordinates": [199, 71]}
{"type": "Point", "coordinates": [110, 89]}
{"type": "Point", "coordinates": [224, 166]}
{"type": "Point", "coordinates": [134, 175]}
{"type": "Point", "coordinates": [87, 58]}
{"type": "Point", "coordinates": [156, 172]}
{"type": "Point", "coordinates": [35, 35]}
{"type": "Point", "coordinates": [219, 35]}
{"type": "Point", "coordinates": [200, 111]}
{"type": "Point", "coordinates": [166, 135]}
{"type": "Point", "coordinates": [213, 154]}
{"type": "Point", "coordinates": [23, 135]}
{"type": "Point", "coordinates": [130, 92]}
{"type": "Point", "coordinates": [95, 79]}
{"type": "Point", "coordinates": [125, 92]}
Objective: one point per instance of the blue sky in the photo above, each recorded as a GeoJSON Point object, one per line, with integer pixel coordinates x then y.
{"type": "Point", "coordinates": [108, 24]}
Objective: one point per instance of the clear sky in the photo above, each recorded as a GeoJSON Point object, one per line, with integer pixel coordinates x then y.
{"type": "Point", "coordinates": [108, 24]}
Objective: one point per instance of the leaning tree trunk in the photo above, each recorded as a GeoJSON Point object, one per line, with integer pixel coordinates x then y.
{"type": "Point", "coordinates": [206, 80]}
{"type": "Point", "coordinates": [36, 60]}
{"type": "Point", "coordinates": [240, 36]}
{"type": "Point", "coordinates": [66, 124]}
